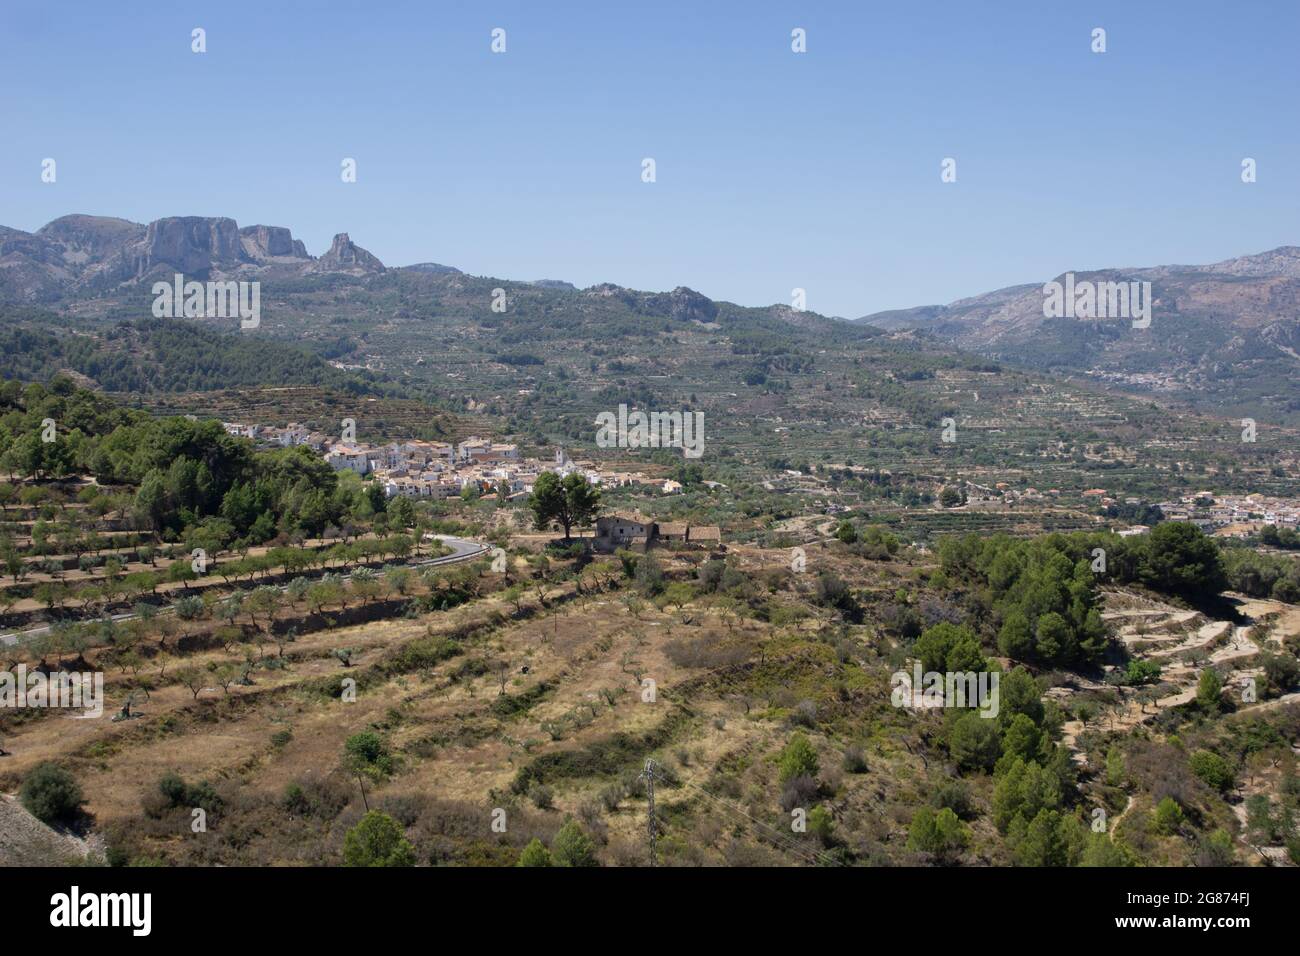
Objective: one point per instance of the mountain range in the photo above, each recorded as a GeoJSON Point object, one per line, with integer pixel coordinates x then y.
{"type": "Point", "coordinates": [1225, 335]}
{"type": "Point", "coordinates": [79, 255]}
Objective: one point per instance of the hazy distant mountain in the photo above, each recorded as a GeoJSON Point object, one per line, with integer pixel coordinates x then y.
{"type": "Point", "coordinates": [433, 268]}
{"type": "Point", "coordinates": [78, 256]}
{"type": "Point", "coordinates": [1225, 335]}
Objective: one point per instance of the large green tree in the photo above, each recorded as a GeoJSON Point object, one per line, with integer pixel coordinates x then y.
{"type": "Point", "coordinates": [1180, 559]}
{"type": "Point", "coordinates": [377, 840]}
{"type": "Point", "coordinates": [568, 501]}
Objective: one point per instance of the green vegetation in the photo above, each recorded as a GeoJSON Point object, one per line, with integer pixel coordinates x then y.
{"type": "Point", "coordinates": [798, 759]}
{"type": "Point", "coordinates": [377, 840]}
{"type": "Point", "coordinates": [569, 501]}
{"type": "Point", "coordinates": [51, 794]}
{"type": "Point", "coordinates": [1043, 593]}
{"type": "Point", "coordinates": [165, 355]}
{"type": "Point", "coordinates": [306, 596]}
{"type": "Point", "coordinates": [535, 854]}
{"type": "Point", "coordinates": [940, 834]}
{"type": "Point", "coordinates": [572, 846]}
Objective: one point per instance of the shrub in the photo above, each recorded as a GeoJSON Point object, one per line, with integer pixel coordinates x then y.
{"type": "Point", "coordinates": [804, 714]}
{"type": "Point", "coordinates": [973, 742]}
{"type": "Point", "coordinates": [172, 787]}
{"type": "Point", "coordinates": [1214, 849]}
{"type": "Point", "coordinates": [295, 801]}
{"type": "Point", "coordinates": [188, 608]}
{"type": "Point", "coordinates": [320, 798]}
{"type": "Point", "coordinates": [541, 796]}
{"type": "Point", "coordinates": [1168, 816]}
{"type": "Point", "coordinates": [953, 795]}
{"type": "Point", "coordinates": [1209, 688]}
{"type": "Point", "coordinates": [51, 794]}
{"type": "Point", "coordinates": [535, 854]}
{"type": "Point", "coordinates": [1141, 672]}
{"type": "Point", "coordinates": [177, 793]}
{"type": "Point", "coordinates": [940, 834]}
{"type": "Point", "coordinates": [821, 825]}
{"type": "Point", "coordinates": [799, 792]}
{"type": "Point", "coordinates": [573, 847]}
{"type": "Point", "coordinates": [202, 794]}
{"type": "Point", "coordinates": [1212, 769]}
{"type": "Point", "coordinates": [377, 840]}
{"type": "Point", "coordinates": [798, 759]}
{"type": "Point", "coordinates": [1281, 670]}
{"type": "Point", "coordinates": [649, 576]}
{"type": "Point", "coordinates": [854, 761]}
{"type": "Point", "coordinates": [367, 754]}
{"type": "Point", "coordinates": [947, 647]}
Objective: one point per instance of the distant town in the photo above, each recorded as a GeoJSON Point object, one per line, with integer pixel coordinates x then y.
{"type": "Point", "coordinates": [434, 469]}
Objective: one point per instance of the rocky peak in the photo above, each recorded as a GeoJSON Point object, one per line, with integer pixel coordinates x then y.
{"type": "Point", "coordinates": [346, 256]}
{"type": "Point", "coordinates": [87, 255]}
{"type": "Point", "coordinates": [687, 304]}
{"type": "Point", "coordinates": [271, 242]}
{"type": "Point", "coordinates": [188, 244]}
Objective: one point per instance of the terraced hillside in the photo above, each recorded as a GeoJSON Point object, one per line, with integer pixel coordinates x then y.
{"type": "Point", "coordinates": [526, 709]}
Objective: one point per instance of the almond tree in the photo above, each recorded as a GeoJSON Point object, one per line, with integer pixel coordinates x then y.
{"type": "Point", "coordinates": [263, 600]}
{"type": "Point", "coordinates": [193, 678]}
{"type": "Point", "coordinates": [365, 585]}
{"type": "Point", "coordinates": [224, 674]}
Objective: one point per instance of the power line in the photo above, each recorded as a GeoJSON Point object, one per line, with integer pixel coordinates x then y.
{"type": "Point", "coordinates": [783, 841]}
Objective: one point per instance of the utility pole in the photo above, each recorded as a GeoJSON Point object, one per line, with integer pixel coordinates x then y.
{"type": "Point", "coordinates": [649, 774]}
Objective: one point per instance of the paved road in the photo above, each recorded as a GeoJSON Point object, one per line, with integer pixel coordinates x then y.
{"type": "Point", "coordinates": [462, 549]}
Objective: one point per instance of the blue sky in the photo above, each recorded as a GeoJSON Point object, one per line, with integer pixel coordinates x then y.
{"type": "Point", "coordinates": [775, 170]}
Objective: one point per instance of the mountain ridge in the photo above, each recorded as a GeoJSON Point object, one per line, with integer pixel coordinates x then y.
{"type": "Point", "coordinates": [1223, 335]}
{"type": "Point", "coordinates": [84, 255]}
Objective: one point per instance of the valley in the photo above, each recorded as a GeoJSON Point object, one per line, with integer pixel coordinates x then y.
{"type": "Point", "coordinates": [383, 557]}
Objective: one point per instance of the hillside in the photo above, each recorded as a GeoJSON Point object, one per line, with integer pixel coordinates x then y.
{"type": "Point", "coordinates": [525, 689]}
{"type": "Point", "coordinates": [162, 355]}
{"type": "Point", "coordinates": [26, 841]}
{"type": "Point", "coordinates": [1225, 336]}
{"type": "Point", "coordinates": [758, 671]}
{"type": "Point", "coordinates": [779, 389]}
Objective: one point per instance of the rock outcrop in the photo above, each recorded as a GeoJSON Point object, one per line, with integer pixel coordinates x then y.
{"type": "Point", "coordinates": [191, 245]}
{"type": "Point", "coordinates": [347, 257]}
{"type": "Point", "coordinates": [88, 255]}
{"type": "Point", "coordinates": [267, 243]}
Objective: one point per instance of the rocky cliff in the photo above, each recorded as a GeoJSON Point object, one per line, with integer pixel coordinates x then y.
{"type": "Point", "coordinates": [346, 256]}
{"type": "Point", "coordinates": [82, 255]}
